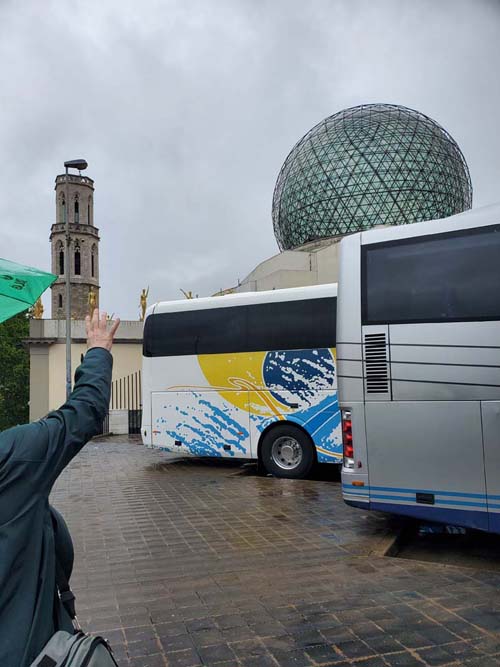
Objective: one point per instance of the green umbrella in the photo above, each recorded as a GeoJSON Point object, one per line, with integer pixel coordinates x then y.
{"type": "Point", "coordinates": [20, 287]}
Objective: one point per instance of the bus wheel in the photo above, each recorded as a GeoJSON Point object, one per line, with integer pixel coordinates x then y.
{"type": "Point", "coordinates": [287, 451]}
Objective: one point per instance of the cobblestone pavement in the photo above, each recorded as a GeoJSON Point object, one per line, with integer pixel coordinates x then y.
{"type": "Point", "coordinates": [189, 563]}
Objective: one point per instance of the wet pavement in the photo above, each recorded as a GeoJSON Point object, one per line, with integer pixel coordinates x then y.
{"type": "Point", "coordinates": [183, 563]}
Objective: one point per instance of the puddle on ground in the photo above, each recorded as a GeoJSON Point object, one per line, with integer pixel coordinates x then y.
{"type": "Point", "coordinates": [176, 460]}
{"type": "Point", "coordinates": [322, 472]}
{"type": "Point", "coordinates": [450, 546]}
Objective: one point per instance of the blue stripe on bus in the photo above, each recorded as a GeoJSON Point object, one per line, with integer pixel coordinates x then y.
{"type": "Point", "coordinates": [441, 493]}
{"type": "Point", "coordinates": [436, 502]}
{"type": "Point", "coordinates": [368, 491]}
{"type": "Point", "coordinates": [365, 494]}
{"type": "Point", "coordinates": [471, 518]}
{"type": "Point", "coordinates": [358, 493]}
{"type": "Point", "coordinates": [332, 404]}
{"type": "Point", "coordinates": [323, 424]}
{"type": "Point", "coordinates": [437, 493]}
{"type": "Point", "coordinates": [354, 493]}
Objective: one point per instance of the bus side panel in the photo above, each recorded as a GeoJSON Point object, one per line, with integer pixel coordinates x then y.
{"type": "Point", "coordinates": [194, 405]}
{"type": "Point", "coordinates": [435, 449]}
{"type": "Point", "coordinates": [450, 361]}
{"type": "Point", "coordinates": [200, 423]}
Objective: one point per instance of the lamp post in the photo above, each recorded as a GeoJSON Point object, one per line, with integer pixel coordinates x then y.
{"type": "Point", "coordinates": [80, 165]}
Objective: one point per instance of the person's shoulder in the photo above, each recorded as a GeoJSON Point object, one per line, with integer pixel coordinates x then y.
{"type": "Point", "coordinates": [8, 439]}
{"type": "Point", "coordinates": [13, 440]}
{"type": "Point", "coordinates": [10, 434]}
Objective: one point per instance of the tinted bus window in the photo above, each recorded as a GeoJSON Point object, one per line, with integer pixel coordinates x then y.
{"type": "Point", "coordinates": [210, 331]}
{"type": "Point", "coordinates": [292, 325]}
{"type": "Point", "coordinates": [441, 278]}
{"type": "Point", "coordinates": [285, 325]}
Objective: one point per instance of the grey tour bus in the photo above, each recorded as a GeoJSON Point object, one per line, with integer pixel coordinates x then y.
{"type": "Point", "coordinates": [418, 361]}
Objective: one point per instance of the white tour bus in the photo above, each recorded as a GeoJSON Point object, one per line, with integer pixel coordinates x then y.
{"type": "Point", "coordinates": [248, 375]}
{"type": "Point", "coordinates": [419, 369]}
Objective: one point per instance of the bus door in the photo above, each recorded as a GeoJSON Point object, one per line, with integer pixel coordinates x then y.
{"type": "Point", "coordinates": [424, 439]}
{"type": "Point", "coordinates": [201, 422]}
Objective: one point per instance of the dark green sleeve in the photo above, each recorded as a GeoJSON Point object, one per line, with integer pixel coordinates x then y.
{"type": "Point", "coordinates": [52, 442]}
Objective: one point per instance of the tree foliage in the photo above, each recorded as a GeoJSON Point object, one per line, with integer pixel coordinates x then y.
{"type": "Point", "coordinates": [14, 372]}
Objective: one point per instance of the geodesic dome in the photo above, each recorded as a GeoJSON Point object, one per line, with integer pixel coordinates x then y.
{"type": "Point", "coordinates": [364, 166]}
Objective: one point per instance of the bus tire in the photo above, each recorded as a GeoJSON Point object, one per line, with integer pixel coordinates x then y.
{"type": "Point", "coordinates": [287, 451]}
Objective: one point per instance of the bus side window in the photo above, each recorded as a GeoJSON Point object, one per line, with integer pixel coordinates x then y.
{"type": "Point", "coordinates": [293, 325]}
{"type": "Point", "coordinates": [440, 278]}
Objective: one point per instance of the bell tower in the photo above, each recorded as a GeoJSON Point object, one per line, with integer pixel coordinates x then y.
{"type": "Point", "coordinates": [75, 199]}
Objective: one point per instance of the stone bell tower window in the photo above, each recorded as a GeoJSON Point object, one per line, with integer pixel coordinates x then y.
{"type": "Point", "coordinates": [77, 210]}
{"type": "Point", "coordinates": [63, 209]}
{"type": "Point", "coordinates": [59, 301]}
{"type": "Point", "coordinates": [60, 257]}
{"type": "Point", "coordinates": [78, 260]}
{"type": "Point", "coordinates": [92, 261]}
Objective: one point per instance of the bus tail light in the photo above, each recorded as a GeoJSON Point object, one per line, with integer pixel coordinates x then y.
{"type": "Point", "coordinates": [347, 439]}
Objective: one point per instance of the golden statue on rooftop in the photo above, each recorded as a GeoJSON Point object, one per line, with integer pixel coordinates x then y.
{"type": "Point", "coordinates": [189, 295]}
{"type": "Point", "coordinates": [92, 300]}
{"type": "Point", "coordinates": [38, 309]}
{"type": "Point", "coordinates": [144, 303]}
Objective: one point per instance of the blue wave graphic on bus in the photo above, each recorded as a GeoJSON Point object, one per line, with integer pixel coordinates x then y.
{"type": "Point", "coordinates": [256, 390]}
{"type": "Point", "coordinates": [205, 428]}
{"type": "Point", "coordinates": [296, 372]}
{"type": "Point", "coordinates": [322, 422]}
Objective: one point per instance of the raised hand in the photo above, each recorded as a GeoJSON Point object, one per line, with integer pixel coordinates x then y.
{"type": "Point", "coordinates": [98, 334]}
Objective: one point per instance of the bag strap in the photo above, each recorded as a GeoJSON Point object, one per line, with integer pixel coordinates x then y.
{"type": "Point", "coordinates": [65, 593]}
{"type": "Point", "coordinates": [64, 555]}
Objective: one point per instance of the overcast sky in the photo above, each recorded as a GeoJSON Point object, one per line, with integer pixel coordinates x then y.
{"type": "Point", "coordinates": [186, 110]}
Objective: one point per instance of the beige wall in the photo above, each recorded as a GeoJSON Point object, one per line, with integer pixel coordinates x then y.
{"type": "Point", "coordinates": [327, 261]}
{"type": "Point", "coordinates": [315, 263]}
{"type": "Point", "coordinates": [127, 358]}
{"type": "Point", "coordinates": [39, 380]}
{"type": "Point", "coordinates": [48, 360]}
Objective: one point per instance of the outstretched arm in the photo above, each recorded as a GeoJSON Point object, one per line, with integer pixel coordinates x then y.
{"type": "Point", "coordinates": [50, 444]}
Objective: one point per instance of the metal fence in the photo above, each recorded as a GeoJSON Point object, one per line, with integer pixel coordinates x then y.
{"type": "Point", "coordinates": [126, 394]}
{"type": "Point", "coordinates": [104, 426]}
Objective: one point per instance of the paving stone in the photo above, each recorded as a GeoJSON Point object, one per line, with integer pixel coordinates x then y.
{"type": "Point", "coordinates": [149, 661]}
{"type": "Point", "coordinates": [435, 655]}
{"type": "Point", "coordinates": [260, 661]}
{"type": "Point", "coordinates": [177, 643]}
{"type": "Point", "coordinates": [384, 644]}
{"type": "Point", "coordinates": [354, 649]}
{"type": "Point", "coordinates": [323, 653]}
{"type": "Point", "coordinates": [296, 658]}
{"type": "Point", "coordinates": [186, 658]}
{"type": "Point", "coordinates": [216, 653]}
{"type": "Point", "coordinates": [405, 659]}
{"type": "Point", "coordinates": [372, 662]}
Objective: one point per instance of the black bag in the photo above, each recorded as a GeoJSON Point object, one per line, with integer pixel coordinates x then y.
{"type": "Point", "coordinates": [79, 650]}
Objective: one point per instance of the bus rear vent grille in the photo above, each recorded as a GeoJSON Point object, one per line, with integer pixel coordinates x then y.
{"type": "Point", "coordinates": [377, 375]}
